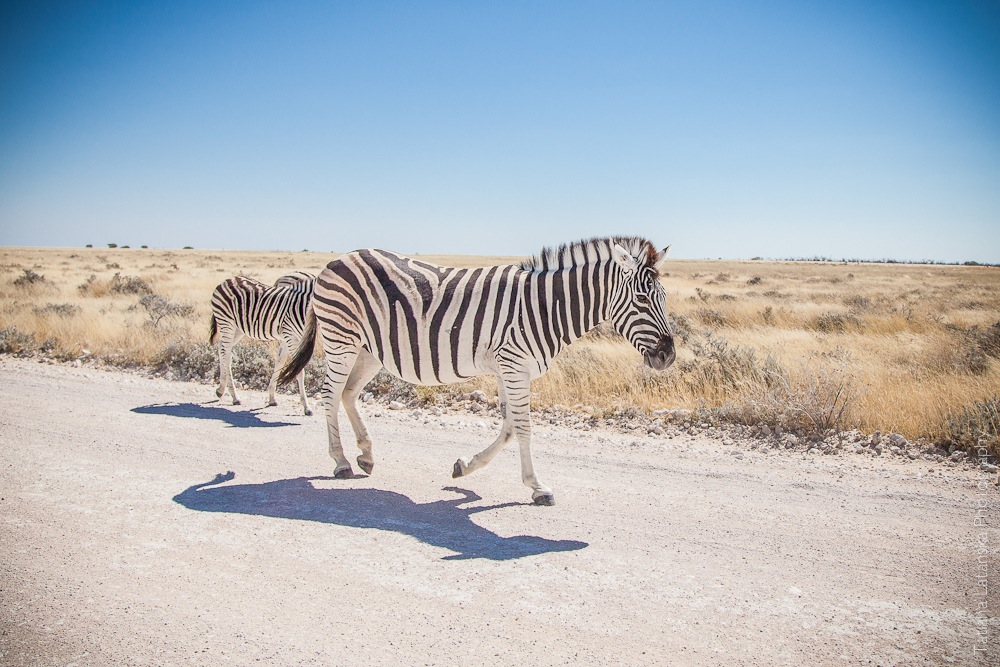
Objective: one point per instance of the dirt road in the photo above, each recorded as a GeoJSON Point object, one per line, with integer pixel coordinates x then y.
{"type": "Point", "coordinates": [142, 523]}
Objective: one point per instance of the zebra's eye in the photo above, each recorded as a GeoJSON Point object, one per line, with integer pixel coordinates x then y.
{"type": "Point", "coordinates": [641, 298]}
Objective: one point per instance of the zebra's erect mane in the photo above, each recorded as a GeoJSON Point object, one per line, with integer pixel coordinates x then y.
{"type": "Point", "coordinates": [566, 256]}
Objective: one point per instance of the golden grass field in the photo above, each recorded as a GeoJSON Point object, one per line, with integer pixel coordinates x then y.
{"type": "Point", "coordinates": [900, 348]}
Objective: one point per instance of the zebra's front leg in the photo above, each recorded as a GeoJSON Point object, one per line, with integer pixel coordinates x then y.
{"type": "Point", "coordinates": [518, 405]}
{"type": "Point", "coordinates": [464, 466]}
{"type": "Point", "coordinates": [338, 369]}
{"type": "Point", "coordinates": [513, 390]}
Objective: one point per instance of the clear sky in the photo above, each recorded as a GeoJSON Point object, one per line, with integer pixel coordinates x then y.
{"type": "Point", "coordinates": [847, 129]}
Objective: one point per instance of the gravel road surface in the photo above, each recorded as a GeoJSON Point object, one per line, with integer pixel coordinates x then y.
{"type": "Point", "coordinates": [144, 523]}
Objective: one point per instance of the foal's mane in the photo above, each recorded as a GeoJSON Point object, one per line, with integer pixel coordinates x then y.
{"type": "Point", "coordinates": [565, 256]}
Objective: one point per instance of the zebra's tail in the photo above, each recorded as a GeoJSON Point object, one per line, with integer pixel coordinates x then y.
{"type": "Point", "coordinates": [213, 331]}
{"type": "Point", "coordinates": [304, 352]}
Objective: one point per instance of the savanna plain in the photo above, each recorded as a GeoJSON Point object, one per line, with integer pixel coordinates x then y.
{"type": "Point", "coordinates": [811, 483]}
{"type": "Point", "coordinates": [805, 347]}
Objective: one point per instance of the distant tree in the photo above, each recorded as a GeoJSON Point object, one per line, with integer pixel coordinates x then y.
{"type": "Point", "coordinates": [124, 246]}
{"type": "Point", "coordinates": [112, 245]}
{"type": "Point", "coordinates": [90, 245]}
{"type": "Point", "coordinates": [144, 246]}
{"type": "Point", "coordinates": [187, 247]}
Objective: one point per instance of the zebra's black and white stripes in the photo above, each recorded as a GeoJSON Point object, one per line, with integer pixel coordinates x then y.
{"type": "Point", "coordinates": [435, 325]}
{"type": "Point", "coordinates": [246, 307]}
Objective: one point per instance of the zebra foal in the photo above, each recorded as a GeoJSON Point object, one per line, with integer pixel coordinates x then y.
{"type": "Point", "coordinates": [432, 325]}
{"type": "Point", "coordinates": [246, 307]}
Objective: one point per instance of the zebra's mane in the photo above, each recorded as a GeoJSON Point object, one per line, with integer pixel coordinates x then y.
{"type": "Point", "coordinates": [566, 255]}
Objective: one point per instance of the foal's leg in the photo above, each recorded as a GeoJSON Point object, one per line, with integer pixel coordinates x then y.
{"type": "Point", "coordinates": [279, 363]}
{"type": "Point", "coordinates": [224, 346]}
{"type": "Point", "coordinates": [288, 345]}
{"type": "Point", "coordinates": [236, 336]}
{"type": "Point", "coordinates": [227, 340]}
{"type": "Point", "coordinates": [301, 377]}
{"type": "Point", "coordinates": [365, 368]}
{"type": "Point", "coordinates": [464, 466]}
{"type": "Point", "coordinates": [339, 364]}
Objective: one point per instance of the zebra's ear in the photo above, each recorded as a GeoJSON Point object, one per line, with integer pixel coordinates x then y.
{"type": "Point", "coordinates": [624, 259]}
{"type": "Point", "coordinates": [661, 263]}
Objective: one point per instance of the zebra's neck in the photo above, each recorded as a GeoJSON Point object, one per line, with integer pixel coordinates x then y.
{"type": "Point", "coordinates": [560, 305]}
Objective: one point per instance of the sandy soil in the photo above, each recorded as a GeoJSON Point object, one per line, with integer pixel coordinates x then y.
{"type": "Point", "coordinates": [142, 523]}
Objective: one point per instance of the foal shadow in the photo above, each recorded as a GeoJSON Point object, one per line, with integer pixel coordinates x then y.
{"type": "Point", "coordinates": [441, 523]}
{"type": "Point", "coordinates": [238, 418]}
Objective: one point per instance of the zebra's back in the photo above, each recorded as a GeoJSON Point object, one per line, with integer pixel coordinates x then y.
{"type": "Point", "coordinates": [427, 324]}
{"type": "Point", "coordinates": [298, 280]}
{"type": "Point", "coordinates": [259, 310]}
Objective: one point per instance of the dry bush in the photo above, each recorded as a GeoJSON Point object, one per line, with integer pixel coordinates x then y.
{"type": "Point", "coordinates": [57, 310]}
{"type": "Point", "coordinates": [977, 426]}
{"type": "Point", "coordinates": [30, 279]}
{"type": "Point", "coordinates": [16, 342]}
{"type": "Point", "coordinates": [188, 360]}
{"type": "Point", "coordinates": [158, 308]}
{"type": "Point", "coordinates": [808, 402]}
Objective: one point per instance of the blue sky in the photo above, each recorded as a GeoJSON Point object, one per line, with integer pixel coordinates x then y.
{"type": "Point", "coordinates": [775, 129]}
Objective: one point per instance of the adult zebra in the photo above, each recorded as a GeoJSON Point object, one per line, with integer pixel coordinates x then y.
{"type": "Point", "coordinates": [432, 325]}
{"type": "Point", "coordinates": [246, 307]}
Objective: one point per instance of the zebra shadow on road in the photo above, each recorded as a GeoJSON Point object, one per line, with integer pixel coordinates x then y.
{"type": "Point", "coordinates": [236, 418]}
{"type": "Point", "coordinates": [441, 523]}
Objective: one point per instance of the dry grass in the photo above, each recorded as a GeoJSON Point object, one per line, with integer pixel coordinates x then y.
{"type": "Point", "coordinates": [911, 349]}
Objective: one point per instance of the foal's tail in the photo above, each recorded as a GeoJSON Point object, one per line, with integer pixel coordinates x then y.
{"type": "Point", "coordinates": [213, 332]}
{"type": "Point", "coordinates": [303, 353]}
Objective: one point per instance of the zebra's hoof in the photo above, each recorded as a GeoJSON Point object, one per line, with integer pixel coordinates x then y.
{"type": "Point", "coordinates": [236, 401]}
{"type": "Point", "coordinates": [367, 466]}
{"type": "Point", "coordinates": [458, 470]}
{"type": "Point", "coordinates": [271, 403]}
{"type": "Point", "coordinates": [543, 498]}
{"type": "Point", "coordinates": [309, 413]}
{"type": "Point", "coordinates": [343, 473]}
{"type": "Point", "coordinates": [220, 391]}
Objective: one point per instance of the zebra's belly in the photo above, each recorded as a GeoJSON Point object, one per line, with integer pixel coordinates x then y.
{"type": "Point", "coordinates": [426, 373]}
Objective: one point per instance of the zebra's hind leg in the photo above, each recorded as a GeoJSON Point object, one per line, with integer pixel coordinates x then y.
{"type": "Point", "coordinates": [365, 368]}
{"type": "Point", "coordinates": [464, 466]}
{"type": "Point", "coordinates": [339, 364]}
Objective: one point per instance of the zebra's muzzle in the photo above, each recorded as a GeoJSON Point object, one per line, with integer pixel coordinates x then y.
{"type": "Point", "coordinates": [661, 356]}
